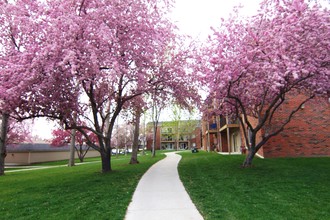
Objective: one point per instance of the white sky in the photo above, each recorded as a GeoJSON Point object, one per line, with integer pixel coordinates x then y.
{"type": "Point", "coordinates": [193, 17]}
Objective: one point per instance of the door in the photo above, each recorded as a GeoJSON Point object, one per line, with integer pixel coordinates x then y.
{"type": "Point", "coordinates": [236, 140]}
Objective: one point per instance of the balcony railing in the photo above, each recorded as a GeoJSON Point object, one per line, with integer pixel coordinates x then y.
{"type": "Point", "coordinates": [223, 122]}
{"type": "Point", "coordinates": [167, 131]}
{"type": "Point", "coordinates": [213, 126]}
{"type": "Point", "coordinates": [167, 139]}
{"type": "Point", "coordinates": [231, 121]}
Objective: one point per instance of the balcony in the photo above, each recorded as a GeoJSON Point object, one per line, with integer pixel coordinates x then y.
{"type": "Point", "coordinates": [166, 131]}
{"type": "Point", "coordinates": [223, 122]}
{"type": "Point", "coordinates": [228, 123]}
{"type": "Point", "coordinates": [167, 138]}
{"type": "Point", "coordinates": [212, 128]}
{"type": "Point", "coordinates": [183, 139]}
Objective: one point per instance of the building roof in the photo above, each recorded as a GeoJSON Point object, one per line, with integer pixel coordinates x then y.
{"type": "Point", "coordinates": [36, 147]}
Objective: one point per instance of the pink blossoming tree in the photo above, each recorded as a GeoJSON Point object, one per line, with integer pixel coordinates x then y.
{"type": "Point", "coordinates": [253, 66]}
{"type": "Point", "coordinates": [86, 59]}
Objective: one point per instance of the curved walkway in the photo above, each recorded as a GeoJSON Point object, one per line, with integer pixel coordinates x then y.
{"type": "Point", "coordinates": [160, 194]}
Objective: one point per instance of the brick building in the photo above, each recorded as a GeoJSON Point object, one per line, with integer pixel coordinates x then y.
{"type": "Point", "coordinates": [221, 134]}
{"type": "Point", "coordinates": [175, 135]}
{"type": "Point", "coordinates": [307, 135]}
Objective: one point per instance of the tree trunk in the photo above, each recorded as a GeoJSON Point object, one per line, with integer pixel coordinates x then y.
{"type": "Point", "coordinates": [153, 152]}
{"type": "Point", "coordinates": [177, 140]}
{"type": "Point", "coordinates": [106, 157]}
{"type": "Point", "coordinates": [3, 136]}
{"type": "Point", "coordinates": [153, 149]}
{"type": "Point", "coordinates": [82, 153]}
{"type": "Point", "coordinates": [81, 159]}
{"type": "Point", "coordinates": [248, 160]}
{"type": "Point", "coordinates": [135, 147]}
{"type": "Point", "coordinates": [72, 147]}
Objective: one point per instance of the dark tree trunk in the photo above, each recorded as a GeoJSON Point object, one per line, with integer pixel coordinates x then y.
{"type": "Point", "coordinates": [81, 159]}
{"type": "Point", "coordinates": [153, 153]}
{"type": "Point", "coordinates": [134, 159]}
{"type": "Point", "coordinates": [3, 136]}
{"type": "Point", "coordinates": [81, 152]}
{"type": "Point", "coordinates": [106, 158]}
{"type": "Point", "coordinates": [252, 150]}
{"type": "Point", "coordinates": [248, 160]}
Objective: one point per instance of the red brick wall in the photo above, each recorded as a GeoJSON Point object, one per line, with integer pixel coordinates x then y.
{"type": "Point", "coordinates": [149, 143]}
{"type": "Point", "coordinates": [254, 122]}
{"type": "Point", "coordinates": [198, 138]}
{"type": "Point", "coordinates": [224, 142]}
{"type": "Point", "coordinates": [307, 135]}
{"type": "Point", "coordinates": [204, 135]}
{"type": "Point", "coordinates": [150, 138]}
{"type": "Point", "coordinates": [158, 146]}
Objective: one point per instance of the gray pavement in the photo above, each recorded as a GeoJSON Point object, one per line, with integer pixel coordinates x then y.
{"type": "Point", "coordinates": [160, 194]}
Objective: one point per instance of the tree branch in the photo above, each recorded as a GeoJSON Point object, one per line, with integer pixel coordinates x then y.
{"type": "Point", "coordinates": [281, 128]}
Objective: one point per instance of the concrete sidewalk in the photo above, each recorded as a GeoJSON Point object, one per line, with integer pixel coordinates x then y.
{"type": "Point", "coordinates": [160, 194]}
{"type": "Point", "coordinates": [29, 168]}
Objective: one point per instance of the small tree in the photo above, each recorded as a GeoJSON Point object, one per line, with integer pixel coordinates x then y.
{"type": "Point", "coordinates": [176, 118]}
{"type": "Point", "coordinates": [63, 137]}
{"type": "Point", "coordinates": [156, 108]}
{"type": "Point", "coordinates": [189, 125]}
{"type": "Point", "coordinates": [123, 136]}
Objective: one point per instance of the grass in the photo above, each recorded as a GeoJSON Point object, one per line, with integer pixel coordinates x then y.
{"type": "Point", "coordinates": [79, 192]}
{"type": "Point", "coordinates": [273, 189]}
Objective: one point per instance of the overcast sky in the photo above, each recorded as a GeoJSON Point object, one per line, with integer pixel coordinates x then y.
{"type": "Point", "coordinates": [195, 17]}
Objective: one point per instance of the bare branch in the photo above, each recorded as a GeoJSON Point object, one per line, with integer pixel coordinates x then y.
{"type": "Point", "coordinates": [281, 128]}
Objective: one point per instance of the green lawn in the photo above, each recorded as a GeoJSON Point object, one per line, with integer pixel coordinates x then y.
{"type": "Point", "coordinates": [79, 192]}
{"type": "Point", "coordinates": [272, 189]}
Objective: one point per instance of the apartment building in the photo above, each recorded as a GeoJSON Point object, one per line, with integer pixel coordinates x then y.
{"type": "Point", "coordinates": [175, 135]}
{"type": "Point", "coordinates": [221, 134]}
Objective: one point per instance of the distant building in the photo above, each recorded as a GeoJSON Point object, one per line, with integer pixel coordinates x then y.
{"type": "Point", "coordinates": [175, 135]}
{"type": "Point", "coordinates": [29, 153]}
